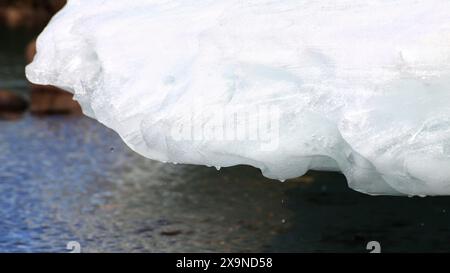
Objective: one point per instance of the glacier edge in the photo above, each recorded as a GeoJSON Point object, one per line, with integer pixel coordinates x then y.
{"type": "Point", "coordinates": [373, 106]}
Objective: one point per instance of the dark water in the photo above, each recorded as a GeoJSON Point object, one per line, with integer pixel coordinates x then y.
{"type": "Point", "coordinates": [70, 179]}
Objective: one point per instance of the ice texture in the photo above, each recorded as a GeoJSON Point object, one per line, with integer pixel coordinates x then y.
{"type": "Point", "coordinates": [360, 87]}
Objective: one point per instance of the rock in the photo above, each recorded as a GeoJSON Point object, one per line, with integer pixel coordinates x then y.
{"type": "Point", "coordinates": [12, 106]}
{"type": "Point", "coordinates": [48, 100]}
{"type": "Point", "coordinates": [28, 13]}
{"type": "Point", "coordinates": [30, 51]}
{"type": "Point", "coordinates": [56, 5]}
{"type": "Point", "coordinates": [15, 17]}
{"type": "Point", "coordinates": [12, 17]}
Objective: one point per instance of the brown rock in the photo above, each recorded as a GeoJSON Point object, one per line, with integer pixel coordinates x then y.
{"type": "Point", "coordinates": [28, 13]}
{"type": "Point", "coordinates": [48, 100]}
{"type": "Point", "coordinates": [56, 5]}
{"type": "Point", "coordinates": [13, 17]}
{"type": "Point", "coordinates": [30, 51]}
{"type": "Point", "coordinates": [12, 106]}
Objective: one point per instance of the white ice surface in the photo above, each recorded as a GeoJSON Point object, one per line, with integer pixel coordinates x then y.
{"type": "Point", "coordinates": [361, 87]}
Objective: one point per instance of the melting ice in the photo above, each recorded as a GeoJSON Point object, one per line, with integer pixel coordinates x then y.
{"type": "Point", "coordinates": [286, 86]}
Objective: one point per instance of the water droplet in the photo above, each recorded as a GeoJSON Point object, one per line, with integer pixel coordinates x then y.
{"type": "Point", "coordinates": [283, 221]}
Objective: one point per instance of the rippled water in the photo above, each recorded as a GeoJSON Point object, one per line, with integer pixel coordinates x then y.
{"type": "Point", "coordinates": [64, 179]}
{"type": "Point", "coordinates": [67, 179]}
{"type": "Point", "coordinates": [71, 179]}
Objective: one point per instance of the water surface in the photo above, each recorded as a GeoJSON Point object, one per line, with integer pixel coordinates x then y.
{"type": "Point", "coordinates": [65, 179]}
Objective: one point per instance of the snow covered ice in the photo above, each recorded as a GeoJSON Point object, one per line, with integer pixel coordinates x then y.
{"type": "Point", "coordinates": [287, 86]}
